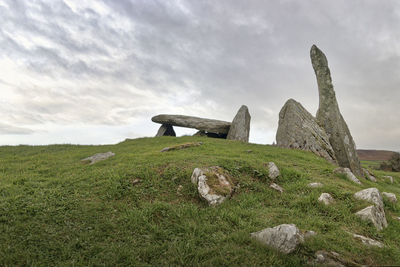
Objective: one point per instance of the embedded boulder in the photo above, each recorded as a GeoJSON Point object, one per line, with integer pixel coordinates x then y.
{"type": "Point", "coordinates": [166, 130]}
{"type": "Point", "coordinates": [390, 196]}
{"type": "Point", "coordinates": [240, 127]}
{"type": "Point", "coordinates": [284, 237]}
{"type": "Point", "coordinates": [326, 198]}
{"type": "Point", "coordinates": [298, 129]}
{"type": "Point", "coordinates": [98, 157]}
{"type": "Point", "coordinates": [368, 241]}
{"type": "Point", "coordinates": [214, 184]}
{"type": "Point", "coordinates": [329, 116]}
{"type": "Point", "coordinates": [376, 213]}
{"type": "Point", "coordinates": [347, 172]}
{"type": "Point", "coordinates": [371, 195]}
{"type": "Point", "coordinates": [368, 175]}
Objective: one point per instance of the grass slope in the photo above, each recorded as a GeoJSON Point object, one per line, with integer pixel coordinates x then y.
{"type": "Point", "coordinates": [54, 210]}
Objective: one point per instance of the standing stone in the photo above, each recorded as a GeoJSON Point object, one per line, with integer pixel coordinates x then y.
{"type": "Point", "coordinates": [273, 171]}
{"type": "Point", "coordinates": [329, 116]}
{"type": "Point", "coordinates": [166, 130]}
{"type": "Point", "coordinates": [240, 127]}
{"type": "Point", "coordinates": [299, 129]}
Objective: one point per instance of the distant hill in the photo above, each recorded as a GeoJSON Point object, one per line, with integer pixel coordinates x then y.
{"type": "Point", "coordinates": [382, 155]}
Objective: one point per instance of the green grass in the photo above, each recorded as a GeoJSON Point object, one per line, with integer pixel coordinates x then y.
{"type": "Point", "coordinates": [55, 210]}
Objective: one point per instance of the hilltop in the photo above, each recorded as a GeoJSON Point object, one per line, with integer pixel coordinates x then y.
{"type": "Point", "coordinates": [140, 208]}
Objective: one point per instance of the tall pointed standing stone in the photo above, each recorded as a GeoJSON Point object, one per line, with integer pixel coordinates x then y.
{"type": "Point", "coordinates": [240, 128]}
{"type": "Point", "coordinates": [329, 116]}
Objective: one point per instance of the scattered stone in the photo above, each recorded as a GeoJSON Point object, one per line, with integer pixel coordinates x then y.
{"type": "Point", "coordinates": [181, 146]}
{"type": "Point", "coordinates": [368, 175]}
{"type": "Point", "coordinates": [390, 178]}
{"type": "Point", "coordinates": [397, 218]}
{"type": "Point", "coordinates": [276, 187]}
{"type": "Point", "coordinates": [375, 215]}
{"type": "Point", "coordinates": [213, 184]}
{"type": "Point", "coordinates": [368, 241]}
{"type": "Point", "coordinates": [240, 127]}
{"type": "Point", "coordinates": [326, 198]}
{"type": "Point", "coordinates": [325, 258]}
{"type": "Point", "coordinates": [166, 130]}
{"type": "Point", "coordinates": [308, 234]}
{"type": "Point", "coordinates": [273, 171]}
{"type": "Point", "coordinates": [136, 181]}
{"type": "Point", "coordinates": [329, 116]}
{"type": "Point", "coordinates": [371, 195]}
{"type": "Point", "coordinates": [298, 129]}
{"type": "Point", "coordinates": [315, 185]}
{"type": "Point", "coordinates": [206, 125]}
{"type": "Point", "coordinates": [390, 196]}
{"type": "Point", "coordinates": [179, 189]}
{"type": "Point", "coordinates": [284, 237]}
{"type": "Point", "coordinates": [348, 173]}
{"type": "Point", "coordinates": [98, 157]}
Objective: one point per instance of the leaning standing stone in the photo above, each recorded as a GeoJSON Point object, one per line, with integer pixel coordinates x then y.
{"type": "Point", "coordinates": [329, 116]}
{"type": "Point", "coordinates": [240, 128]}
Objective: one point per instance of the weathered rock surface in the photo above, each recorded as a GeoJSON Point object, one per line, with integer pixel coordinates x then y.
{"type": "Point", "coordinates": [375, 215]}
{"type": "Point", "coordinates": [326, 198]}
{"type": "Point", "coordinates": [240, 127]}
{"type": "Point", "coordinates": [389, 178]}
{"type": "Point", "coordinates": [299, 129]}
{"type": "Point", "coordinates": [284, 237]}
{"type": "Point", "coordinates": [372, 195]}
{"type": "Point", "coordinates": [315, 185]}
{"type": "Point", "coordinates": [166, 130]}
{"type": "Point", "coordinates": [368, 241]}
{"type": "Point", "coordinates": [276, 187]}
{"type": "Point", "coordinates": [329, 116]}
{"type": "Point", "coordinates": [324, 258]}
{"type": "Point", "coordinates": [98, 157]}
{"type": "Point", "coordinates": [213, 184]}
{"type": "Point", "coordinates": [273, 171]}
{"type": "Point", "coordinates": [348, 173]}
{"type": "Point", "coordinates": [390, 196]}
{"type": "Point", "coordinates": [206, 125]}
{"type": "Point", "coordinates": [368, 175]}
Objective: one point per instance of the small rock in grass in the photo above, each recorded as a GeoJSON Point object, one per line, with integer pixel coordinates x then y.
{"type": "Point", "coordinates": [273, 170]}
{"type": "Point", "coordinates": [213, 184]}
{"type": "Point", "coordinates": [368, 175]}
{"type": "Point", "coordinates": [315, 185]}
{"type": "Point", "coordinates": [136, 181]}
{"type": "Point", "coordinates": [326, 198]}
{"type": "Point", "coordinates": [368, 241]}
{"type": "Point", "coordinates": [390, 178]}
{"type": "Point", "coordinates": [307, 234]}
{"type": "Point", "coordinates": [325, 258]}
{"type": "Point", "coordinates": [98, 157]}
{"type": "Point", "coordinates": [347, 172]}
{"type": "Point", "coordinates": [179, 189]}
{"type": "Point", "coordinates": [276, 187]}
{"type": "Point", "coordinates": [284, 237]}
{"type": "Point", "coordinates": [390, 196]}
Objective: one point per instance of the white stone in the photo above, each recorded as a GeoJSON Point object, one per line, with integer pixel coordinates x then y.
{"type": "Point", "coordinates": [368, 175]}
{"type": "Point", "coordinates": [348, 173]}
{"type": "Point", "coordinates": [273, 171]}
{"type": "Point", "coordinates": [315, 185]}
{"type": "Point", "coordinates": [368, 241]}
{"type": "Point", "coordinates": [99, 157]}
{"type": "Point", "coordinates": [284, 237]}
{"type": "Point", "coordinates": [276, 187]}
{"type": "Point", "coordinates": [371, 195]}
{"type": "Point", "coordinates": [326, 198]}
{"type": "Point", "coordinates": [390, 178]}
{"type": "Point", "coordinates": [390, 196]}
{"type": "Point", "coordinates": [375, 215]}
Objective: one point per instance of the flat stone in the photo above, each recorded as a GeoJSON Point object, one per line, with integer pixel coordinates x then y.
{"type": "Point", "coordinates": [181, 146]}
{"type": "Point", "coordinates": [347, 172]}
{"type": "Point", "coordinates": [368, 175]}
{"type": "Point", "coordinates": [375, 215]}
{"type": "Point", "coordinates": [368, 241]}
{"type": "Point", "coordinates": [390, 196]}
{"type": "Point", "coordinates": [273, 171]}
{"type": "Point", "coordinates": [166, 130]}
{"type": "Point", "coordinates": [285, 237]}
{"type": "Point", "coordinates": [214, 184]}
{"type": "Point", "coordinates": [98, 157]}
{"type": "Point", "coordinates": [329, 116]}
{"type": "Point", "coordinates": [276, 187]}
{"type": "Point", "coordinates": [201, 124]}
{"type": "Point", "coordinates": [326, 198]}
{"type": "Point", "coordinates": [298, 129]}
{"type": "Point", "coordinates": [315, 185]}
{"type": "Point", "coordinates": [240, 127]}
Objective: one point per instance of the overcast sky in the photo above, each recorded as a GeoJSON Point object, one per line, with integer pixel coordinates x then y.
{"type": "Point", "coordinates": [95, 72]}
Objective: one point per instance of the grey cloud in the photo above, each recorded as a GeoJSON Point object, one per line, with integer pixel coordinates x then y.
{"type": "Point", "coordinates": [10, 129]}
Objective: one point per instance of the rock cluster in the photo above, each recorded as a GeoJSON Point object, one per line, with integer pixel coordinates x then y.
{"type": "Point", "coordinates": [239, 129]}
{"type": "Point", "coordinates": [375, 213]}
{"type": "Point", "coordinates": [327, 134]}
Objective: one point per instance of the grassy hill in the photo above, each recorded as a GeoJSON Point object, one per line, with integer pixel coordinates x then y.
{"type": "Point", "coordinates": [55, 210]}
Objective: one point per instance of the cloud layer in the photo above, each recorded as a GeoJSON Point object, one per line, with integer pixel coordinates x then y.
{"type": "Point", "coordinates": [114, 64]}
